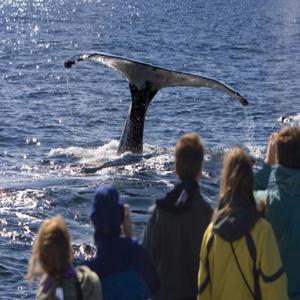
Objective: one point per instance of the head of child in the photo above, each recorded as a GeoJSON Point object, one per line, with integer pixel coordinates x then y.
{"type": "Point", "coordinates": [107, 213]}
{"type": "Point", "coordinates": [237, 181]}
{"type": "Point", "coordinates": [52, 250]}
{"type": "Point", "coordinates": [189, 153]}
{"type": "Point", "coordinates": [288, 147]}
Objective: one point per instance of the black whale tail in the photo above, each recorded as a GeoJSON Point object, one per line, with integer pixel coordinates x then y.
{"type": "Point", "coordinates": [145, 81]}
{"type": "Point", "coordinates": [133, 130]}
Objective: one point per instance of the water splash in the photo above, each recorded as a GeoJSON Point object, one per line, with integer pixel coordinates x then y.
{"type": "Point", "coordinates": [249, 128]}
{"type": "Point", "coordinates": [293, 120]}
{"type": "Point", "coordinates": [94, 155]}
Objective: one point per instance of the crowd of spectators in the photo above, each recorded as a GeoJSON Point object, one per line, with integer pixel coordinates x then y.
{"type": "Point", "coordinates": [246, 248]}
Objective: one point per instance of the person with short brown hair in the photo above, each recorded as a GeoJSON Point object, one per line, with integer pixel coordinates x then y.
{"type": "Point", "coordinates": [174, 232]}
{"type": "Point", "coordinates": [52, 261]}
{"type": "Point", "coordinates": [282, 199]}
{"type": "Point", "coordinates": [288, 147]}
{"type": "Point", "coordinates": [189, 154]}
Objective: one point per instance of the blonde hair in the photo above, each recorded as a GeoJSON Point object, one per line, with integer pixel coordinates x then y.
{"type": "Point", "coordinates": [237, 180]}
{"type": "Point", "coordinates": [52, 252]}
{"type": "Point", "coordinates": [189, 152]}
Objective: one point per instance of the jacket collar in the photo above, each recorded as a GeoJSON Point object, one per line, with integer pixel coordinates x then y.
{"type": "Point", "coordinates": [179, 199]}
{"type": "Point", "coordinates": [69, 273]}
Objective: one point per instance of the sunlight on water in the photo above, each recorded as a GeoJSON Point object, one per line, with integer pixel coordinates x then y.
{"type": "Point", "coordinates": [23, 205]}
{"type": "Point", "coordinates": [19, 200]}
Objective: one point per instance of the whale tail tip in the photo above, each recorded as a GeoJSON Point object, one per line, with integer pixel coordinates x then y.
{"type": "Point", "coordinates": [69, 63]}
{"type": "Point", "coordinates": [242, 100]}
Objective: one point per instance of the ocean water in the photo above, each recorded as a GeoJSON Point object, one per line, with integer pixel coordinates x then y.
{"type": "Point", "coordinates": [57, 125]}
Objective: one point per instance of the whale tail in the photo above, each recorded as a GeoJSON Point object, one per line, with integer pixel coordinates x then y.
{"type": "Point", "coordinates": [145, 81]}
{"type": "Point", "coordinates": [133, 130]}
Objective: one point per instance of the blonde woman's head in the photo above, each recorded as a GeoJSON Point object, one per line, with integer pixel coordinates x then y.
{"type": "Point", "coordinates": [237, 179]}
{"type": "Point", "coordinates": [52, 251]}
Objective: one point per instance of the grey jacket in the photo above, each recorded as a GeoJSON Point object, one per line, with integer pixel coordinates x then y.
{"type": "Point", "coordinates": [174, 241]}
{"type": "Point", "coordinates": [89, 284]}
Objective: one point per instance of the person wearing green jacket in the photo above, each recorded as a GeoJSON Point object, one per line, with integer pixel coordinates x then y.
{"type": "Point", "coordinates": [281, 200]}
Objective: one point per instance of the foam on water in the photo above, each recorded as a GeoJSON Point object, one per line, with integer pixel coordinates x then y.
{"type": "Point", "coordinates": [103, 153]}
{"type": "Point", "coordinates": [293, 120]}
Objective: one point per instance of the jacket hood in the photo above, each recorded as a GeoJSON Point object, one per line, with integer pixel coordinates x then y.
{"type": "Point", "coordinates": [289, 179]}
{"type": "Point", "coordinates": [107, 212]}
{"type": "Point", "coordinates": [233, 225]}
{"type": "Point", "coordinates": [179, 199]}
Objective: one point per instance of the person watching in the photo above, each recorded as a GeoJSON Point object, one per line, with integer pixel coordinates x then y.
{"type": "Point", "coordinates": [281, 199]}
{"type": "Point", "coordinates": [175, 229]}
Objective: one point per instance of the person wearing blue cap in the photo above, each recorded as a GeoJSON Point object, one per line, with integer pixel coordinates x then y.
{"type": "Point", "coordinates": [124, 267]}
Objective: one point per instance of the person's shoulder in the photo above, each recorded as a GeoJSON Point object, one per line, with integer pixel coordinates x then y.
{"type": "Point", "coordinates": [262, 224]}
{"type": "Point", "coordinates": [136, 249]}
{"type": "Point", "coordinates": [89, 282]}
{"type": "Point", "coordinates": [157, 214]}
{"type": "Point", "coordinates": [261, 229]}
{"type": "Point", "coordinates": [131, 243]}
{"type": "Point", "coordinates": [202, 204]}
{"type": "Point", "coordinates": [85, 273]}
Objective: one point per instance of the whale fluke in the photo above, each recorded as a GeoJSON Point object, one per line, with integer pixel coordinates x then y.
{"type": "Point", "coordinates": [145, 81]}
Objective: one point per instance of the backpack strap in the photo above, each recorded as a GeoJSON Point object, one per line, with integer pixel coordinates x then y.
{"type": "Point", "coordinates": [207, 279]}
{"type": "Point", "coordinates": [252, 250]}
{"type": "Point", "coordinates": [254, 296]}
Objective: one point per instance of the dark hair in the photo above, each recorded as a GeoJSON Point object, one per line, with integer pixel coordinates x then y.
{"type": "Point", "coordinates": [288, 147]}
{"type": "Point", "coordinates": [52, 250]}
{"type": "Point", "coordinates": [189, 154]}
{"type": "Point", "coordinates": [237, 181]}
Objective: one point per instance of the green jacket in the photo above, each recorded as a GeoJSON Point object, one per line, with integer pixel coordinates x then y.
{"type": "Point", "coordinates": [283, 212]}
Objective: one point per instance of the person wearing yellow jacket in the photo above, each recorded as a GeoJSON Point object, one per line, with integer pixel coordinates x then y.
{"type": "Point", "coordinates": [239, 257]}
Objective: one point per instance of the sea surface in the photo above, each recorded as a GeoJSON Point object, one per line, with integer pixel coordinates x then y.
{"type": "Point", "coordinates": [57, 125]}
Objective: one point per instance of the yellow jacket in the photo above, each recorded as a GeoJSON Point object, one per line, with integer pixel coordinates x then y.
{"type": "Point", "coordinates": [219, 274]}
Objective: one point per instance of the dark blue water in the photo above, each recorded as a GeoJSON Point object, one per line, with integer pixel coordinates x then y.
{"type": "Point", "coordinates": [56, 124]}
